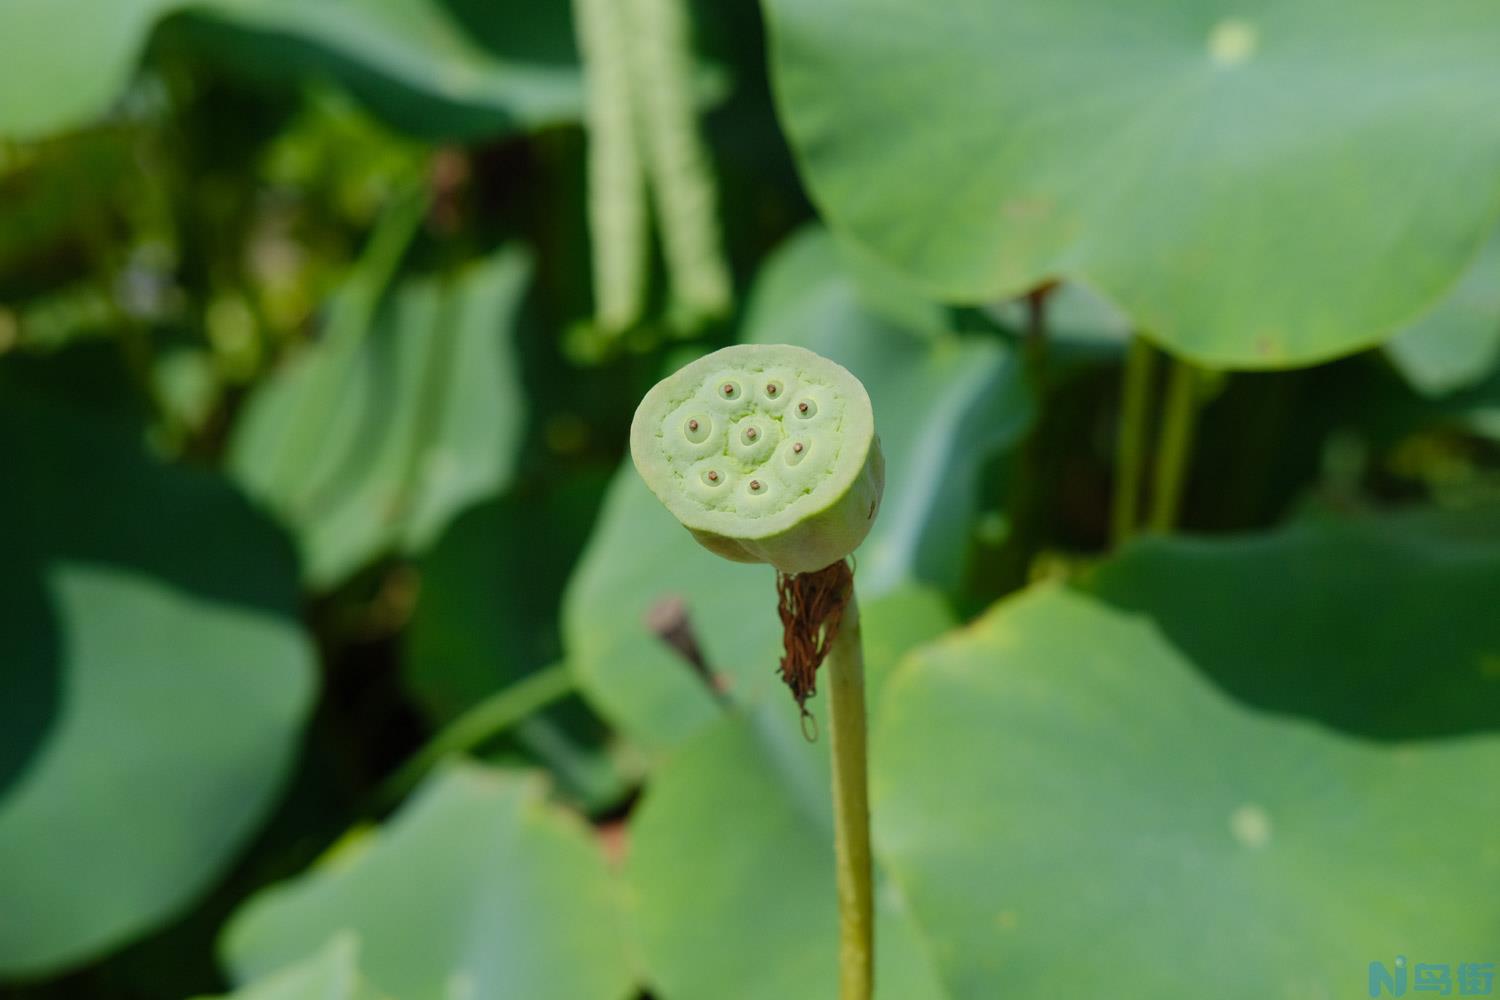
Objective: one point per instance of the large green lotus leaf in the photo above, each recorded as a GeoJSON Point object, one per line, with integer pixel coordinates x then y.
{"type": "Point", "coordinates": [153, 681]}
{"type": "Point", "coordinates": [416, 62]}
{"type": "Point", "coordinates": [330, 974]}
{"type": "Point", "coordinates": [943, 404]}
{"type": "Point", "coordinates": [731, 857]}
{"type": "Point", "coordinates": [1072, 810]}
{"type": "Point", "coordinates": [1384, 626]}
{"type": "Point", "coordinates": [1258, 184]}
{"type": "Point", "coordinates": [372, 442]}
{"type": "Point", "coordinates": [477, 888]}
{"type": "Point", "coordinates": [1458, 343]}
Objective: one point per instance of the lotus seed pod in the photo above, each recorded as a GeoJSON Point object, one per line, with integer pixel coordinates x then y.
{"type": "Point", "coordinates": [766, 453]}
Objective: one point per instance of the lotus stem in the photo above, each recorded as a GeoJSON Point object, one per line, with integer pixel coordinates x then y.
{"type": "Point", "coordinates": [1175, 446]}
{"type": "Point", "coordinates": [851, 808]}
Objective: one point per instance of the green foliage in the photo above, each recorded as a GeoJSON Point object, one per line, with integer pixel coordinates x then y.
{"type": "Point", "coordinates": [1381, 623]}
{"type": "Point", "coordinates": [1137, 813]}
{"type": "Point", "coordinates": [131, 771]}
{"type": "Point", "coordinates": [407, 412]}
{"type": "Point", "coordinates": [322, 324]}
{"type": "Point", "coordinates": [491, 587]}
{"type": "Point", "coordinates": [417, 63]}
{"type": "Point", "coordinates": [478, 888]}
{"type": "Point", "coordinates": [1458, 342]}
{"type": "Point", "coordinates": [1213, 168]}
{"type": "Point", "coordinates": [331, 974]}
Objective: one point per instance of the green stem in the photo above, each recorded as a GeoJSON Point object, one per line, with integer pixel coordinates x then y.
{"type": "Point", "coordinates": [617, 206]}
{"type": "Point", "coordinates": [851, 809]}
{"type": "Point", "coordinates": [679, 169]}
{"type": "Point", "coordinates": [1174, 446]}
{"type": "Point", "coordinates": [479, 724]}
{"type": "Point", "coordinates": [1130, 446]}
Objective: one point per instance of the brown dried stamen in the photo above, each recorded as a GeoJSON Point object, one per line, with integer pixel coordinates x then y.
{"type": "Point", "coordinates": [811, 606]}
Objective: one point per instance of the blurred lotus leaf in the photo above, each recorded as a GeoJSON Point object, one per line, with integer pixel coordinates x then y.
{"type": "Point", "coordinates": [407, 411]}
{"type": "Point", "coordinates": [478, 887]}
{"type": "Point", "coordinates": [330, 974]}
{"type": "Point", "coordinates": [1456, 344]}
{"type": "Point", "coordinates": [132, 769]}
{"type": "Point", "coordinates": [439, 69]}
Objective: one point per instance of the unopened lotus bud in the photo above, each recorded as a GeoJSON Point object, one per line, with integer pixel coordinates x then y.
{"type": "Point", "coordinates": [766, 453]}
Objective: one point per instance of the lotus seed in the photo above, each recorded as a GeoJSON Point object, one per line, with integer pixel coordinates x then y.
{"type": "Point", "coordinates": [697, 430]}
{"type": "Point", "coordinates": [807, 408]}
{"type": "Point", "coordinates": [755, 486]}
{"type": "Point", "coordinates": [692, 425]}
{"type": "Point", "coordinates": [712, 476]}
{"type": "Point", "coordinates": [751, 434]}
{"type": "Point", "coordinates": [797, 447]}
{"type": "Point", "coordinates": [729, 390]}
{"type": "Point", "coordinates": [773, 389]}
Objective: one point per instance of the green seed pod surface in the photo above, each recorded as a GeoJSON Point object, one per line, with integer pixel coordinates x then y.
{"type": "Point", "coordinates": [766, 453]}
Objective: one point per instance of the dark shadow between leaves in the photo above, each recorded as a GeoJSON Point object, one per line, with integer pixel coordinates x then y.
{"type": "Point", "coordinates": [30, 681]}
{"type": "Point", "coordinates": [1383, 627]}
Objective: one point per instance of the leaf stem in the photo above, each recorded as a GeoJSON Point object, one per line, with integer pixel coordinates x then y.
{"type": "Point", "coordinates": [1174, 446]}
{"type": "Point", "coordinates": [1130, 446]}
{"type": "Point", "coordinates": [851, 808]}
{"type": "Point", "coordinates": [479, 724]}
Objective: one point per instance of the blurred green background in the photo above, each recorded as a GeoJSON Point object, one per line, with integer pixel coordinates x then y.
{"type": "Point", "coordinates": [341, 656]}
